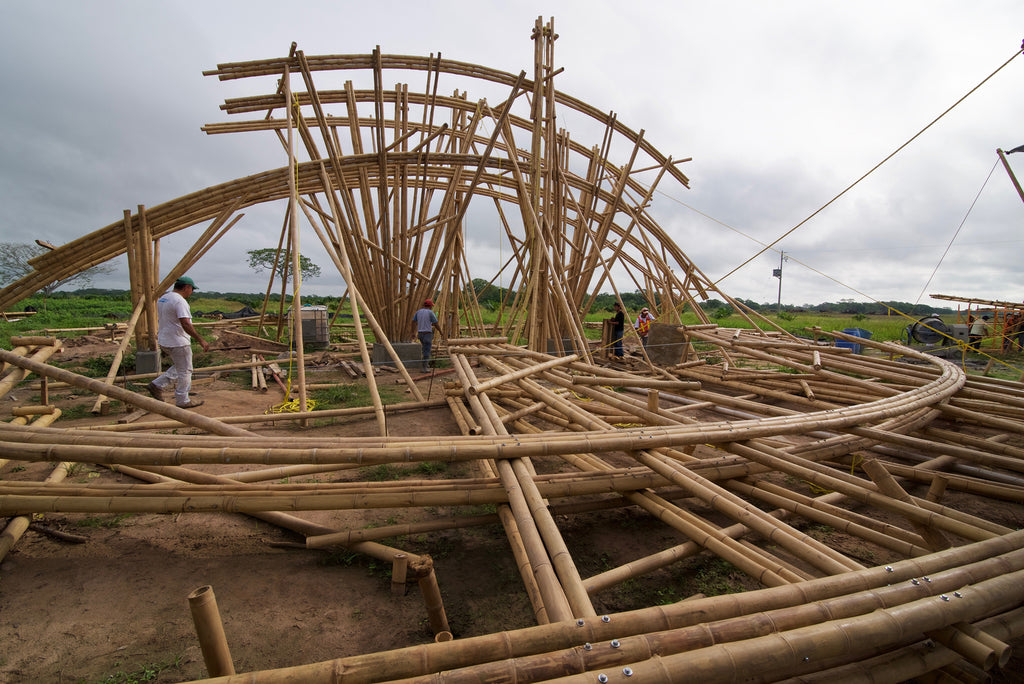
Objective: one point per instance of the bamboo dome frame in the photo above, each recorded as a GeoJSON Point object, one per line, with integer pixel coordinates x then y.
{"type": "Point", "coordinates": [867, 429]}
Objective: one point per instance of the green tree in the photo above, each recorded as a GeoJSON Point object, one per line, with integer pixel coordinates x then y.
{"type": "Point", "coordinates": [14, 258]}
{"type": "Point", "coordinates": [264, 259]}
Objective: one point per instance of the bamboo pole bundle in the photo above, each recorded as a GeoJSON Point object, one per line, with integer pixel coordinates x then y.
{"type": "Point", "coordinates": [557, 578]}
{"type": "Point", "coordinates": [556, 664]}
{"type": "Point", "coordinates": [422, 660]}
{"type": "Point", "coordinates": [545, 596]}
{"type": "Point", "coordinates": [264, 418]}
{"type": "Point", "coordinates": [916, 661]}
{"type": "Point", "coordinates": [780, 655]}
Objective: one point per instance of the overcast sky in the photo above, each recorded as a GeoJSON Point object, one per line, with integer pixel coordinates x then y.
{"type": "Point", "coordinates": [781, 105]}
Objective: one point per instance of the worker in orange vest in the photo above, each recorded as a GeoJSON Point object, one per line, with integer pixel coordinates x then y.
{"type": "Point", "coordinates": [643, 325]}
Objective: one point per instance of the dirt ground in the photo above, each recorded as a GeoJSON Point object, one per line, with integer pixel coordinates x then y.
{"type": "Point", "coordinates": [115, 609]}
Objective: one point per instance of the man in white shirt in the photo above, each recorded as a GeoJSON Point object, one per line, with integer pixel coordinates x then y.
{"type": "Point", "coordinates": [175, 338]}
{"type": "Point", "coordinates": [424, 321]}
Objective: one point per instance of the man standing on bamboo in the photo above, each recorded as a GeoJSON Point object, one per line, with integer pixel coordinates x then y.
{"type": "Point", "coordinates": [175, 338]}
{"type": "Point", "coordinates": [423, 324]}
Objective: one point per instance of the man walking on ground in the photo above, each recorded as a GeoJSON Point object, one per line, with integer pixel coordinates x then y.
{"type": "Point", "coordinates": [423, 323]}
{"type": "Point", "coordinates": [175, 338]}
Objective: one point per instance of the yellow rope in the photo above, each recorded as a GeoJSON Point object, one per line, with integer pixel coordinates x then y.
{"type": "Point", "coordinates": [291, 406]}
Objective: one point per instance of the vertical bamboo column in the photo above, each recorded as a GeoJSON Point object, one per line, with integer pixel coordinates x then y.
{"type": "Point", "coordinates": [210, 630]}
{"type": "Point", "coordinates": [134, 279]}
{"type": "Point", "coordinates": [300, 361]}
{"type": "Point", "coordinates": [144, 254]}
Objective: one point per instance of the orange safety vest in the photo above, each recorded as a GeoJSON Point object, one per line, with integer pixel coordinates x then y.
{"type": "Point", "coordinates": [643, 326]}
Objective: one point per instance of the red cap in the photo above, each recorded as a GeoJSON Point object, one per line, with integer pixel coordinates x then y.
{"type": "Point", "coordinates": [428, 302]}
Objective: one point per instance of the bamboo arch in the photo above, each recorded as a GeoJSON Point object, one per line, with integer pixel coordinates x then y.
{"type": "Point", "coordinates": [390, 206]}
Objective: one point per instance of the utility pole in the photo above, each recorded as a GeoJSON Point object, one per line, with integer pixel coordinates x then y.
{"type": "Point", "coordinates": [777, 273]}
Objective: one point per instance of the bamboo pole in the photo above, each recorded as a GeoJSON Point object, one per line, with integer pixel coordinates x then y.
{"type": "Point", "coordinates": [119, 354]}
{"type": "Point", "coordinates": [545, 596]}
{"type": "Point", "coordinates": [491, 383]}
{"type": "Point", "coordinates": [888, 486]}
{"type": "Point", "coordinates": [422, 660]}
{"type": "Point", "coordinates": [212, 642]}
{"type": "Point", "coordinates": [15, 375]}
{"type": "Point", "coordinates": [152, 405]}
{"type": "Point", "coordinates": [16, 526]}
{"type": "Point", "coordinates": [293, 227]}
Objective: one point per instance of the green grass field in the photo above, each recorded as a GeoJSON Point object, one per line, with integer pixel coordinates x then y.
{"type": "Point", "coordinates": [76, 314]}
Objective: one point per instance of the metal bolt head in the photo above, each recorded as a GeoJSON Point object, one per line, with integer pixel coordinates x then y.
{"type": "Point", "coordinates": [628, 671]}
{"type": "Point", "coordinates": [944, 597]}
{"type": "Point", "coordinates": [914, 582]}
{"type": "Point", "coordinates": [587, 646]}
{"type": "Point", "coordinates": [958, 594]}
{"type": "Point", "coordinates": [602, 678]}
{"type": "Point", "coordinates": [888, 568]}
{"type": "Point", "coordinates": [580, 622]}
{"type": "Point", "coordinates": [605, 618]}
{"type": "Point", "coordinates": [926, 578]}
{"type": "Point", "coordinates": [615, 643]}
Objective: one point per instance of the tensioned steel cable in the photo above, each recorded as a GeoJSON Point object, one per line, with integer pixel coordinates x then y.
{"type": "Point", "coordinates": [873, 169]}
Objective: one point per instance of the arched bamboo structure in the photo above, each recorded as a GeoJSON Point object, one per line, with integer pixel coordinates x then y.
{"type": "Point", "coordinates": [735, 429]}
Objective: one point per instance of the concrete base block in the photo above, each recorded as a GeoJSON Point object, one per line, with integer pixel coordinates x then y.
{"type": "Point", "coordinates": [665, 344]}
{"type": "Point", "coordinates": [568, 346]}
{"type": "Point", "coordinates": [147, 361]}
{"type": "Point", "coordinates": [409, 352]}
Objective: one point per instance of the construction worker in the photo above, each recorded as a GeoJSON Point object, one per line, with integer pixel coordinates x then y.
{"type": "Point", "coordinates": [175, 336]}
{"type": "Point", "coordinates": [643, 325]}
{"type": "Point", "coordinates": [424, 321]}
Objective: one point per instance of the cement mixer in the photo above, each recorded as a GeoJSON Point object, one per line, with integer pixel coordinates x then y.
{"type": "Point", "coordinates": [932, 331]}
